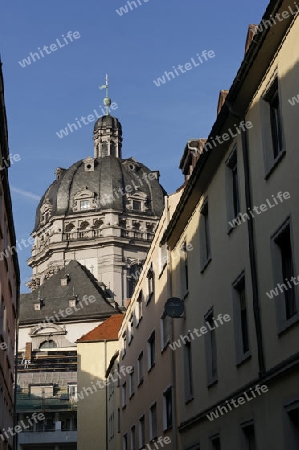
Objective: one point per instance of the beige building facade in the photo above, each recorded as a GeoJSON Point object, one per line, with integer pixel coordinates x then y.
{"type": "Point", "coordinates": [237, 363]}
{"type": "Point", "coordinates": [146, 394]}
{"type": "Point", "coordinates": [9, 288]}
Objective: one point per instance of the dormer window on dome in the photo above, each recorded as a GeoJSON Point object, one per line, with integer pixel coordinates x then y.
{"type": "Point", "coordinates": [89, 164]}
{"type": "Point", "coordinates": [137, 201]}
{"type": "Point", "coordinates": [84, 200]}
{"type": "Point", "coordinates": [45, 212]}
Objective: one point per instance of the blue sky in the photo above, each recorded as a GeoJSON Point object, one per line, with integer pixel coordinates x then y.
{"type": "Point", "coordinates": [135, 49]}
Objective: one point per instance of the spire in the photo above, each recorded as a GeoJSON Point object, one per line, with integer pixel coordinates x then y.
{"type": "Point", "coordinates": [107, 99]}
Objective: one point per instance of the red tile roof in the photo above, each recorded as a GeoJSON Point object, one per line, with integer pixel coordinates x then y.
{"type": "Point", "coordinates": [107, 330]}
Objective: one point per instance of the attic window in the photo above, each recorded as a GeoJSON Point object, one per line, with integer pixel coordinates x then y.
{"type": "Point", "coordinates": [65, 280]}
{"type": "Point", "coordinates": [36, 306]}
{"type": "Point", "coordinates": [84, 205]}
{"type": "Point", "coordinates": [72, 302]}
{"type": "Point", "coordinates": [136, 205]}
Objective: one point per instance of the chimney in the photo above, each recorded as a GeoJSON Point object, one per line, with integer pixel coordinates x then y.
{"type": "Point", "coordinates": [252, 30]}
{"type": "Point", "coordinates": [28, 351]}
{"type": "Point", "coordinates": [221, 100]}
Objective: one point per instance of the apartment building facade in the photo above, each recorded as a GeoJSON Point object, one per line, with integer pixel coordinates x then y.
{"type": "Point", "coordinates": [9, 286]}
{"type": "Point", "coordinates": [146, 394]}
{"type": "Point", "coordinates": [237, 368]}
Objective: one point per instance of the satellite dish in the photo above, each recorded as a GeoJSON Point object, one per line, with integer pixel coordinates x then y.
{"type": "Point", "coordinates": [174, 307]}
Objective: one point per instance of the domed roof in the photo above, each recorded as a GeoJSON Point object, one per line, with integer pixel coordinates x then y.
{"type": "Point", "coordinates": [108, 121]}
{"type": "Point", "coordinates": [111, 181]}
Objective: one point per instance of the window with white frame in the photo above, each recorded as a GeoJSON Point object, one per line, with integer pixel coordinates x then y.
{"type": "Point", "coordinates": [241, 319]}
{"type": "Point", "coordinates": [272, 125]}
{"type": "Point", "coordinates": [153, 421]}
{"type": "Point", "coordinates": [151, 350]}
{"type": "Point", "coordinates": [133, 438]}
{"type": "Point", "coordinates": [131, 383]}
{"type": "Point", "coordinates": [140, 368]}
{"type": "Point", "coordinates": [248, 441]}
{"type": "Point", "coordinates": [211, 349]}
{"type": "Point", "coordinates": [124, 394]}
{"type": "Point", "coordinates": [204, 231]}
{"type": "Point", "coordinates": [131, 328]}
{"type": "Point", "coordinates": [162, 257]}
{"type": "Point", "coordinates": [141, 432]}
{"type": "Point", "coordinates": [125, 442]}
{"type": "Point", "coordinates": [167, 408]}
{"type": "Point", "coordinates": [232, 185]}
{"type": "Point", "coordinates": [188, 372]}
{"type": "Point", "coordinates": [150, 284]}
{"type": "Point", "coordinates": [287, 302]}
{"type": "Point", "coordinates": [165, 322]}
{"type": "Point", "coordinates": [124, 343]}
{"type": "Point", "coordinates": [139, 305]}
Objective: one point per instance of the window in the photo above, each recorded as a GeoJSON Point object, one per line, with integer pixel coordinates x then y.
{"type": "Point", "coordinates": [131, 383]}
{"type": "Point", "coordinates": [286, 296]}
{"type": "Point", "coordinates": [150, 283]}
{"type": "Point", "coordinates": [184, 270]}
{"type": "Point", "coordinates": [84, 204]}
{"type": "Point", "coordinates": [131, 328]}
{"type": "Point", "coordinates": [292, 425]}
{"type": "Point", "coordinates": [188, 372]}
{"type": "Point", "coordinates": [165, 330]}
{"type": "Point", "coordinates": [215, 443]}
{"type": "Point", "coordinates": [124, 394]}
{"type": "Point", "coordinates": [139, 307]}
{"type": "Point", "coordinates": [133, 438]}
{"type": "Point", "coordinates": [151, 348]}
{"type": "Point", "coordinates": [211, 349]}
{"type": "Point", "coordinates": [125, 442]}
{"type": "Point", "coordinates": [273, 131]}
{"type": "Point", "coordinates": [72, 391]}
{"type": "Point", "coordinates": [232, 186]}
{"type": "Point", "coordinates": [167, 408]}
{"type": "Point", "coordinates": [248, 437]}
{"type": "Point", "coordinates": [153, 421]}
{"type": "Point", "coordinates": [162, 258]}
{"type": "Point", "coordinates": [205, 245]}
{"type": "Point", "coordinates": [141, 432]}
{"type": "Point", "coordinates": [140, 368]}
{"type": "Point", "coordinates": [124, 344]}
{"type": "Point", "coordinates": [240, 319]}
{"type": "Point", "coordinates": [136, 205]}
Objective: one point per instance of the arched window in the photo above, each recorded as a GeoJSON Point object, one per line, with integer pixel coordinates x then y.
{"type": "Point", "coordinates": [48, 344]}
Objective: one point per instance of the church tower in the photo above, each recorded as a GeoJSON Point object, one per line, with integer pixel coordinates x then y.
{"type": "Point", "coordinates": [101, 212]}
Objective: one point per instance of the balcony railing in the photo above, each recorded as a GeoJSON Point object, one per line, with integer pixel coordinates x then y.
{"type": "Point", "coordinates": [61, 401]}
{"type": "Point", "coordinates": [83, 234]}
{"type": "Point", "coordinates": [137, 235]}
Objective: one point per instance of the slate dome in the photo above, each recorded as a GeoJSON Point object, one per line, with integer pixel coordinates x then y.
{"type": "Point", "coordinates": [111, 178]}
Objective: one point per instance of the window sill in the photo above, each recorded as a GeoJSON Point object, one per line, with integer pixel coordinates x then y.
{"type": "Point", "coordinates": [189, 400]}
{"type": "Point", "coordinates": [140, 383]}
{"type": "Point", "coordinates": [243, 358]}
{"type": "Point", "coordinates": [162, 270]}
{"type": "Point", "coordinates": [137, 324]}
{"type": "Point", "coordinates": [149, 297]}
{"type": "Point", "coordinates": [287, 324]}
{"type": "Point", "coordinates": [276, 162]}
{"type": "Point", "coordinates": [205, 265]}
{"type": "Point", "coordinates": [165, 347]}
{"type": "Point", "coordinates": [132, 395]}
{"type": "Point", "coordinates": [212, 383]}
{"type": "Point", "coordinates": [151, 368]}
{"type": "Point", "coordinates": [186, 294]}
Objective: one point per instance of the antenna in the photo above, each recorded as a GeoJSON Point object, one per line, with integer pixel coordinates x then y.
{"type": "Point", "coordinates": [107, 99]}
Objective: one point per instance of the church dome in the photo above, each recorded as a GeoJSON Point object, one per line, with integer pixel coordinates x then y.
{"type": "Point", "coordinates": [99, 184]}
